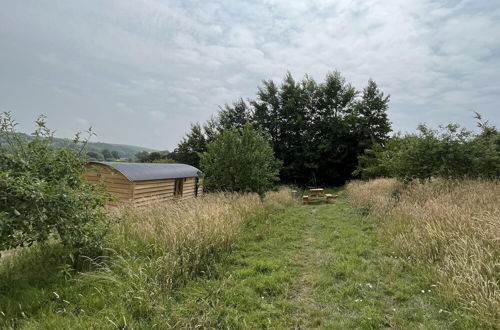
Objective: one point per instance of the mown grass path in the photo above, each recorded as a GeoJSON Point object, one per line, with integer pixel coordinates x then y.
{"type": "Point", "coordinates": [314, 266]}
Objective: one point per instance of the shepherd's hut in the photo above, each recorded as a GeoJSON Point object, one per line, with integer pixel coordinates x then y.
{"type": "Point", "coordinates": [143, 183]}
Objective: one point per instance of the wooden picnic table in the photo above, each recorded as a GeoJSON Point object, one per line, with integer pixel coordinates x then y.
{"type": "Point", "coordinates": [317, 194]}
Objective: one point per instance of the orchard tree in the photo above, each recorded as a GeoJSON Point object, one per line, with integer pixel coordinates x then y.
{"type": "Point", "coordinates": [42, 193]}
{"type": "Point", "coordinates": [240, 161]}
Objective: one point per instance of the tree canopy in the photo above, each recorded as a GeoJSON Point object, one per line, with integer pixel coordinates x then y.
{"type": "Point", "coordinates": [317, 130]}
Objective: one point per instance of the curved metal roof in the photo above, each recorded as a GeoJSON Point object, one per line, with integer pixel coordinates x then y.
{"type": "Point", "coordinates": [152, 171]}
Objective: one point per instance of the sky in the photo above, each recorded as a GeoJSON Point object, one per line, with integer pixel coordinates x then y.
{"type": "Point", "coordinates": [141, 71]}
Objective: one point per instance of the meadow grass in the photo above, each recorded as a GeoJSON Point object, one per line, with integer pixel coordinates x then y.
{"type": "Point", "coordinates": [234, 262]}
{"type": "Point", "coordinates": [451, 226]}
{"type": "Point", "coordinates": [321, 265]}
{"type": "Point", "coordinates": [151, 251]}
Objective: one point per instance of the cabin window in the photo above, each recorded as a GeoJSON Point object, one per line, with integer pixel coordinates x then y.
{"type": "Point", "coordinates": [197, 182]}
{"type": "Point", "coordinates": [179, 183]}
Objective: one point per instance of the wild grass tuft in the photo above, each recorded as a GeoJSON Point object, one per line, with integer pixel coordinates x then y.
{"type": "Point", "coordinates": [452, 225]}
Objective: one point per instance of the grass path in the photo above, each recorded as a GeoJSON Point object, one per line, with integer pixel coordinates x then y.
{"type": "Point", "coordinates": [314, 266]}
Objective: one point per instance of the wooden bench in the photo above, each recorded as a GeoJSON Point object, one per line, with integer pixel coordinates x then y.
{"type": "Point", "coordinates": [317, 194]}
{"type": "Point", "coordinates": [330, 196]}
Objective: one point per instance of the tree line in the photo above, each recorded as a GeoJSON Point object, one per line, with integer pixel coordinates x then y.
{"type": "Point", "coordinates": [316, 130]}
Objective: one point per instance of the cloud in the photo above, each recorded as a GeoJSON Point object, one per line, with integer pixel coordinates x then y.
{"type": "Point", "coordinates": [157, 115]}
{"type": "Point", "coordinates": [141, 65]}
{"type": "Point", "coordinates": [123, 107]}
{"type": "Point", "coordinates": [82, 122]}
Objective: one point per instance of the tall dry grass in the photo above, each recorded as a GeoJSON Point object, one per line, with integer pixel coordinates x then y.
{"type": "Point", "coordinates": [453, 225]}
{"type": "Point", "coordinates": [151, 251]}
{"type": "Point", "coordinates": [165, 244]}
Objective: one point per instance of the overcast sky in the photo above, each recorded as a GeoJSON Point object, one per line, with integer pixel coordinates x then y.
{"type": "Point", "coordinates": [140, 71]}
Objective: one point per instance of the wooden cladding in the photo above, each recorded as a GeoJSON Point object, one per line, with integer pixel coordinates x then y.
{"type": "Point", "coordinates": [115, 182]}
{"type": "Point", "coordinates": [142, 192]}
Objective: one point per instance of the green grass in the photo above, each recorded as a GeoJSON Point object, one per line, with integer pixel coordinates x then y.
{"type": "Point", "coordinates": [308, 266]}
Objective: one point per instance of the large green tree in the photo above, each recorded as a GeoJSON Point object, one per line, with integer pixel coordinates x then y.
{"type": "Point", "coordinates": [240, 161]}
{"type": "Point", "coordinates": [195, 142]}
{"type": "Point", "coordinates": [317, 130]}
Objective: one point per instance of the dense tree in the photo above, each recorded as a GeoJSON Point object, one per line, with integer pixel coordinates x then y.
{"type": "Point", "coordinates": [195, 142]}
{"type": "Point", "coordinates": [142, 156]}
{"type": "Point", "coordinates": [152, 157]}
{"type": "Point", "coordinates": [372, 115]}
{"type": "Point", "coordinates": [240, 161]}
{"type": "Point", "coordinates": [235, 116]}
{"type": "Point", "coordinates": [115, 154]}
{"type": "Point", "coordinates": [94, 155]}
{"type": "Point", "coordinates": [108, 156]}
{"type": "Point", "coordinates": [316, 130]}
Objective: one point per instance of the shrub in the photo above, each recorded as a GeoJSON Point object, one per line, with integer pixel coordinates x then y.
{"type": "Point", "coordinates": [42, 194]}
{"type": "Point", "coordinates": [240, 161]}
{"type": "Point", "coordinates": [450, 152]}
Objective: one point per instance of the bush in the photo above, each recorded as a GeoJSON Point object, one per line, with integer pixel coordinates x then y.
{"type": "Point", "coordinates": [42, 194]}
{"type": "Point", "coordinates": [450, 152]}
{"type": "Point", "coordinates": [240, 161]}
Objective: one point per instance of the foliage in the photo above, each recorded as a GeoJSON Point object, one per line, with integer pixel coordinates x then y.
{"type": "Point", "coordinates": [164, 161]}
{"type": "Point", "coordinates": [108, 155]}
{"type": "Point", "coordinates": [316, 129]}
{"type": "Point", "coordinates": [450, 152]}
{"type": "Point", "coordinates": [42, 193]}
{"type": "Point", "coordinates": [95, 149]}
{"type": "Point", "coordinates": [93, 155]}
{"type": "Point", "coordinates": [187, 152]}
{"type": "Point", "coordinates": [153, 157]}
{"type": "Point", "coordinates": [240, 161]}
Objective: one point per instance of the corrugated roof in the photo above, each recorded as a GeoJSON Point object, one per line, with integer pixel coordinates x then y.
{"type": "Point", "coordinates": [152, 171]}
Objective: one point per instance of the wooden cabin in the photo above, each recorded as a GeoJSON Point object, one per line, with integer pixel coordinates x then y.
{"type": "Point", "coordinates": [143, 183]}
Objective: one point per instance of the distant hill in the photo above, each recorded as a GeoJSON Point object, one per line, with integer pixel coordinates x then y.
{"type": "Point", "coordinates": [124, 150]}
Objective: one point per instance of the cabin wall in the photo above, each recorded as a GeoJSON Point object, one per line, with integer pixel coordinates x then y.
{"type": "Point", "coordinates": [153, 191]}
{"type": "Point", "coordinates": [116, 184]}
{"type": "Point", "coordinates": [161, 190]}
